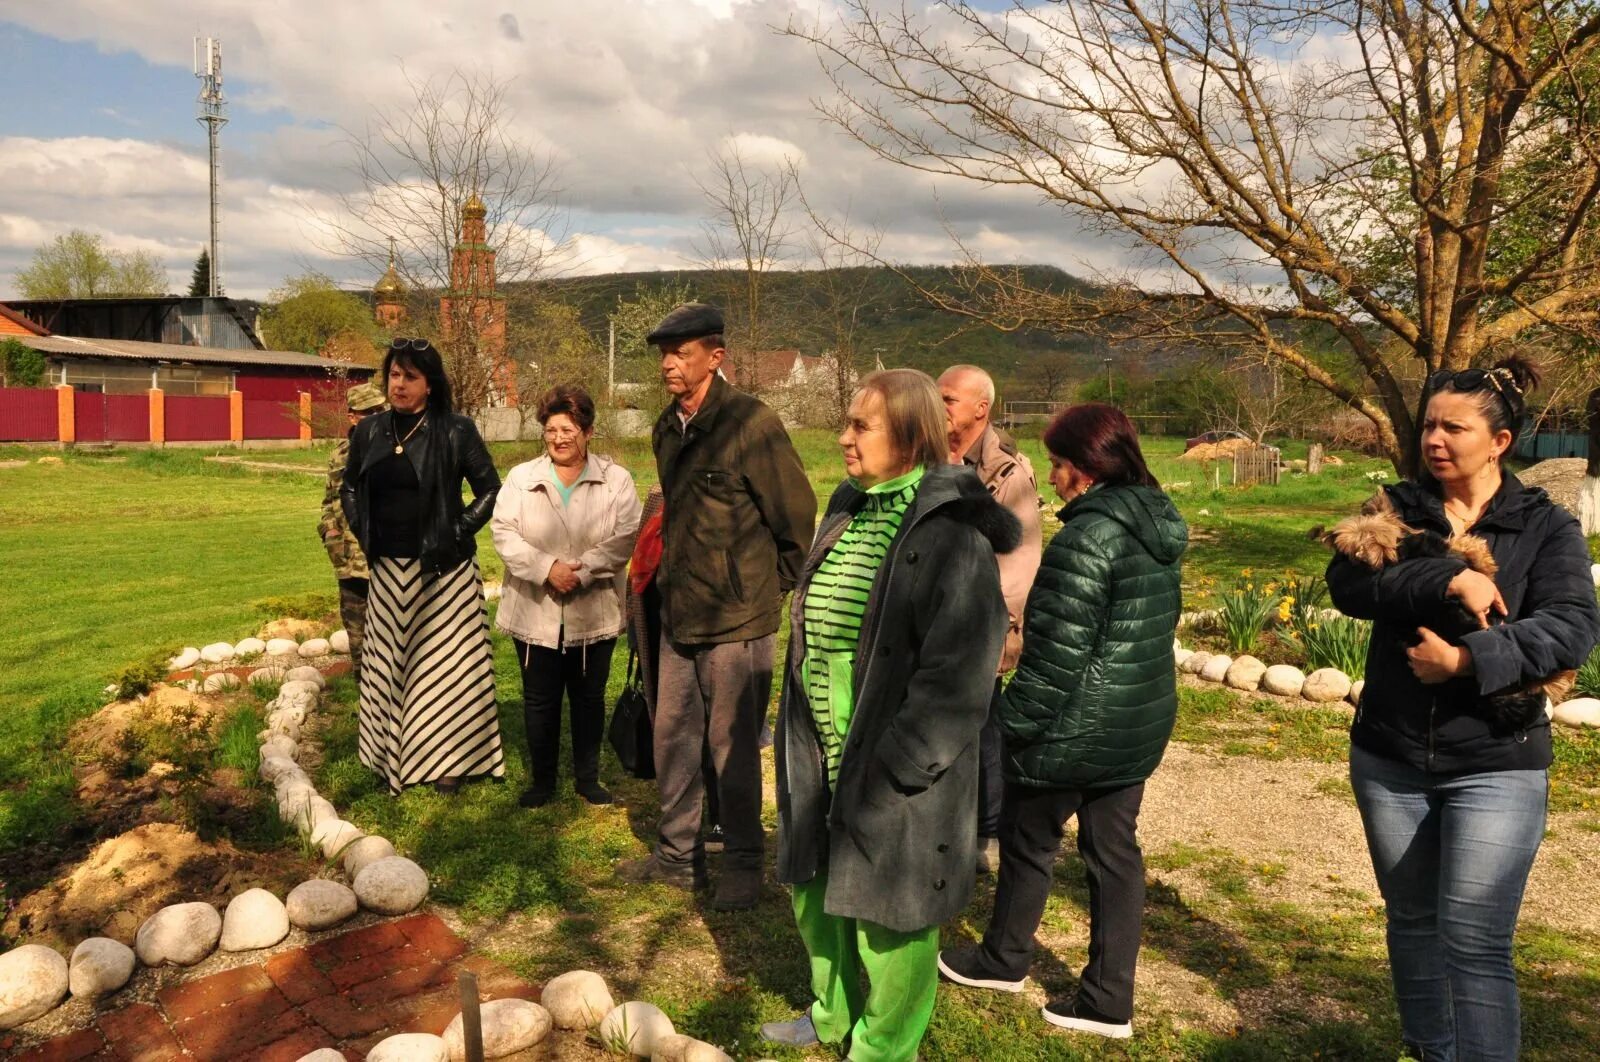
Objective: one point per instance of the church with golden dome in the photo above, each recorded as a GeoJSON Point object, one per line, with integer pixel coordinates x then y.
{"type": "Point", "coordinates": [472, 314]}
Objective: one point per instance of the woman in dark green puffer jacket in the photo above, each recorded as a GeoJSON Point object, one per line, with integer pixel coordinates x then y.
{"type": "Point", "coordinates": [1087, 716]}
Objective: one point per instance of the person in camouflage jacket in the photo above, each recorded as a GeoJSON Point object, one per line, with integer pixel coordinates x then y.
{"type": "Point", "coordinates": [349, 563]}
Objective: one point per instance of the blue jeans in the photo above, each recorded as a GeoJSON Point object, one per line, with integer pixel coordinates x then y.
{"type": "Point", "coordinates": [1452, 855]}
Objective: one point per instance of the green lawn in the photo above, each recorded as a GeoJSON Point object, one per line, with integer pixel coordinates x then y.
{"type": "Point", "coordinates": [115, 557]}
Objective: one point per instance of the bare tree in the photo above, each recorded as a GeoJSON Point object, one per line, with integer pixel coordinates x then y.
{"type": "Point", "coordinates": [1256, 397]}
{"type": "Point", "coordinates": [418, 167]}
{"type": "Point", "coordinates": [835, 295]}
{"type": "Point", "coordinates": [1415, 179]}
{"type": "Point", "coordinates": [749, 234]}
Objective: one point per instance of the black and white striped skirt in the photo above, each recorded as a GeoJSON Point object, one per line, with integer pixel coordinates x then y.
{"type": "Point", "coordinates": [427, 676]}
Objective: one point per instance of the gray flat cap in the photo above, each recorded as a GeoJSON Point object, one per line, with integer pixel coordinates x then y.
{"type": "Point", "coordinates": [692, 320]}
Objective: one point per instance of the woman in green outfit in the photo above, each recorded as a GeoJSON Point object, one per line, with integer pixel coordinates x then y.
{"type": "Point", "coordinates": [895, 630]}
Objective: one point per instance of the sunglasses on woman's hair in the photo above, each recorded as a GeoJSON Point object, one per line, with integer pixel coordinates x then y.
{"type": "Point", "coordinates": [409, 344]}
{"type": "Point", "coordinates": [1473, 380]}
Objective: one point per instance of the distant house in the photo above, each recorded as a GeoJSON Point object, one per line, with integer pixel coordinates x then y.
{"type": "Point", "coordinates": [770, 370]}
{"type": "Point", "coordinates": [13, 323]}
{"type": "Point", "coordinates": [177, 320]}
{"type": "Point", "coordinates": [126, 367]}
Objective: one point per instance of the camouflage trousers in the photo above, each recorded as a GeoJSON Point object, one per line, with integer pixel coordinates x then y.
{"type": "Point", "coordinates": [353, 612]}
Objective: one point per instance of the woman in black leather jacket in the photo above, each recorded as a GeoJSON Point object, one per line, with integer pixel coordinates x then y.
{"type": "Point", "coordinates": [427, 679]}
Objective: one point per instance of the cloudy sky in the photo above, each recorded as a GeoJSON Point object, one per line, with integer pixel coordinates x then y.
{"type": "Point", "coordinates": [627, 97]}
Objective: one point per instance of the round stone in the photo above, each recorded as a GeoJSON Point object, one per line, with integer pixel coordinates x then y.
{"type": "Point", "coordinates": [1216, 669]}
{"type": "Point", "coordinates": [306, 673]}
{"type": "Point", "coordinates": [249, 646]}
{"type": "Point", "coordinates": [284, 748]}
{"type": "Point", "coordinates": [1326, 684]}
{"type": "Point", "coordinates": [99, 967]}
{"type": "Point", "coordinates": [294, 804]}
{"type": "Point", "coordinates": [1580, 711]}
{"type": "Point", "coordinates": [189, 657]}
{"type": "Point", "coordinates": [635, 1027]}
{"type": "Point", "coordinates": [1355, 690]}
{"type": "Point", "coordinates": [254, 919]}
{"type": "Point", "coordinates": [322, 1054]}
{"type": "Point", "coordinates": [392, 886]}
{"type": "Point", "coordinates": [1285, 680]}
{"type": "Point", "coordinates": [314, 647]}
{"type": "Point", "coordinates": [339, 641]}
{"type": "Point", "coordinates": [319, 904]}
{"type": "Point", "coordinates": [266, 674]}
{"type": "Point", "coordinates": [294, 690]}
{"type": "Point", "coordinates": [1245, 673]}
{"type": "Point", "coordinates": [322, 810]}
{"type": "Point", "coordinates": [509, 1026]}
{"type": "Point", "coordinates": [274, 765]}
{"type": "Point", "coordinates": [33, 978]}
{"type": "Point", "coordinates": [1594, 573]}
{"type": "Point", "coordinates": [410, 1047]}
{"type": "Point", "coordinates": [578, 999]}
{"type": "Point", "coordinates": [220, 681]}
{"type": "Point", "coordinates": [1179, 656]}
{"type": "Point", "coordinates": [368, 850]}
{"type": "Point", "coordinates": [332, 836]}
{"type": "Point", "coordinates": [282, 647]}
{"type": "Point", "coordinates": [1195, 662]}
{"type": "Point", "coordinates": [680, 1047]}
{"type": "Point", "coordinates": [181, 935]}
{"type": "Point", "coordinates": [216, 652]}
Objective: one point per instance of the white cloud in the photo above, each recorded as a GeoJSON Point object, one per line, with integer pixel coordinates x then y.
{"type": "Point", "coordinates": [629, 98]}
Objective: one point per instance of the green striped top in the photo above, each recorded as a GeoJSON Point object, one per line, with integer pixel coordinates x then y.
{"type": "Point", "coordinates": [836, 601]}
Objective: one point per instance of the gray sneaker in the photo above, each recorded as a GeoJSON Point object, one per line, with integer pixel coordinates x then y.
{"type": "Point", "coordinates": [797, 1032]}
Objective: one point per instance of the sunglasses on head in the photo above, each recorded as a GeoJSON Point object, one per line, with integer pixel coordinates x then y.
{"type": "Point", "coordinates": [1474, 380]}
{"type": "Point", "coordinates": [409, 344]}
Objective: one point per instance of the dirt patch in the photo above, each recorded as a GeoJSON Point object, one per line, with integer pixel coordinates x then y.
{"type": "Point", "coordinates": [126, 879]}
{"type": "Point", "coordinates": [298, 629]}
{"type": "Point", "coordinates": [99, 736]}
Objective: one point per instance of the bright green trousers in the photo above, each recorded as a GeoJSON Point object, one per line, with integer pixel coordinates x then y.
{"type": "Point", "coordinates": [902, 975]}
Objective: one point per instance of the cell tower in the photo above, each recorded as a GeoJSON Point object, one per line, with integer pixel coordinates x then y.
{"type": "Point", "coordinates": [208, 68]}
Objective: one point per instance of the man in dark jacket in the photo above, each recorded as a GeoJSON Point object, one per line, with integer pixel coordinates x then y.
{"type": "Point", "coordinates": [738, 521]}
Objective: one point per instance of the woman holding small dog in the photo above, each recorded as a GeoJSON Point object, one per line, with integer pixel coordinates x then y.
{"type": "Point", "coordinates": [1451, 744]}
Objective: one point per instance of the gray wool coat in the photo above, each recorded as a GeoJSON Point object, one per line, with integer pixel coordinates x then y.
{"type": "Point", "coordinates": [898, 838]}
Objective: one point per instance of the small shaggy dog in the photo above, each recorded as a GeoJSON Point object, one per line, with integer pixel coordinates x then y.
{"type": "Point", "coordinates": [1377, 538]}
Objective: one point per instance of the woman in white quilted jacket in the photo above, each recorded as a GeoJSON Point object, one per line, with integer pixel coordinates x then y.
{"type": "Point", "coordinates": [564, 524]}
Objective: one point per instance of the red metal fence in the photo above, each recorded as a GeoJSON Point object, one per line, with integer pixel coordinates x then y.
{"type": "Point", "coordinates": [28, 414]}
{"type": "Point", "coordinates": [113, 418]}
{"type": "Point", "coordinates": [267, 419]}
{"type": "Point", "coordinates": [192, 419]}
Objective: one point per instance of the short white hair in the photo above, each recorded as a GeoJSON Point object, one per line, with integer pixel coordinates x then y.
{"type": "Point", "coordinates": [985, 381]}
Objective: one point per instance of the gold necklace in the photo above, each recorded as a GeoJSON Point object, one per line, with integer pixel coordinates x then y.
{"type": "Point", "coordinates": [400, 447]}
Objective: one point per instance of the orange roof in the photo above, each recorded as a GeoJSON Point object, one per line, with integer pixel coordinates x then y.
{"type": "Point", "coordinates": [13, 323]}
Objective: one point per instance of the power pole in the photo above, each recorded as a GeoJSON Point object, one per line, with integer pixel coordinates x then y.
{"type": "Point", "coordinates": [611, 363]}
{"type": "Point", "coordinates": [208, 68]}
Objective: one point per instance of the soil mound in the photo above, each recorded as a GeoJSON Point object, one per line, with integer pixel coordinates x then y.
{"type": "Point", "coordinates": [1217, 451]}
{"type": "Point", "coordinates": [100, 736]}
{"type": "Point", "coordinates": [127, 878]}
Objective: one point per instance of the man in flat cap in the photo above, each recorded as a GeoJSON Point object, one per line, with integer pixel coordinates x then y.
{"type": "Point", "coordinates": [738, 521]}
{"type": "Point", "coordinates": [349, 564]}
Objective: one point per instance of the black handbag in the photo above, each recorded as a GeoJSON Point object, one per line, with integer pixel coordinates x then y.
{"type": "Point", "coordinates": [632, 733]}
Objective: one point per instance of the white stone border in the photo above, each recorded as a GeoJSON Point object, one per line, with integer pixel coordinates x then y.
{"type": "Point", "coordinates": [34, 979]}
{"type": "Point", "coordinates": [1327, 685]}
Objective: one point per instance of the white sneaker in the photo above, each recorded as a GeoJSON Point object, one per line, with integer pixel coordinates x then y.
{"type": "Point", "coordinates": [1074, 1015]}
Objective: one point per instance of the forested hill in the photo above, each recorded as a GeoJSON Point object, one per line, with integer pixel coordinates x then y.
{"type": "Point", "coordinates": [895, 323]}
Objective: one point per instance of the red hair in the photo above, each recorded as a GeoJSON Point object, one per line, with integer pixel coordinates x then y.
{"type": "Point", "coordinates": [1101, 442]}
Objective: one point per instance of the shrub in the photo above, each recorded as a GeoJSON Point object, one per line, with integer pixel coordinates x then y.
{"type": "Point", "coordinates": [1588, 683]}
{"type": "Point", "coordinates": [139, 677]}
{"type": "Point", "coordinates": [1329, 639]}
{"type": "Point", "coordinates": [311, 605]}
{"type": "Point", "coordinates": [1242, 611]}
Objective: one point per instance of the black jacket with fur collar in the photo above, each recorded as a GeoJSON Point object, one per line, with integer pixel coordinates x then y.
{"type": "Point", "coordinates": [897, 839]}
{"type": "Point", "coordinates": [1552, 625]}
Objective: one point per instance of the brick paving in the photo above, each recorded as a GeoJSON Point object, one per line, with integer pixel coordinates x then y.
{"type": "Point", "coordinates": [348, 992]}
